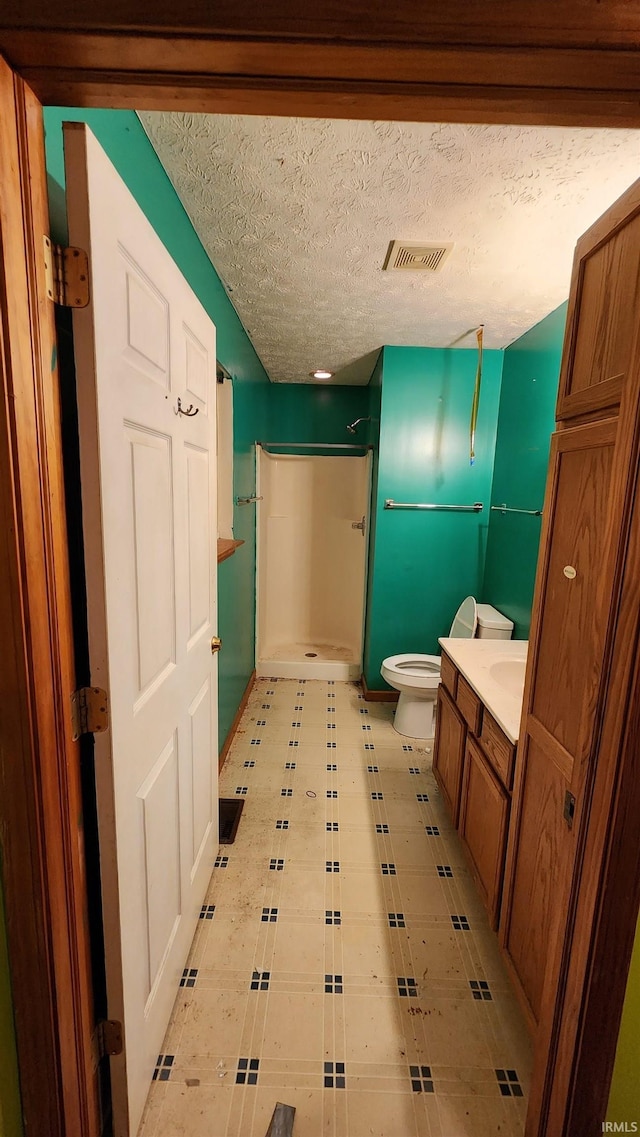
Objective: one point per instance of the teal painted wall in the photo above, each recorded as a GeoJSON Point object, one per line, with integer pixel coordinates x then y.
{"type": "Point", "coordinates": [122, 137]}
{"type": "Point", "coordinates": [10, 1110]}
{"type": "Point", "coordinates": [424, 564]}
{"type": "Point", "coordinates": [306, 412]}
{"type": "Point", "coordinates": [525, 424]}
{"type": "Point", "coordinates": [624, 1099]}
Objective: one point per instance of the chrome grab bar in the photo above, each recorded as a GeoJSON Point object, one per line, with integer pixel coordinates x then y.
{"type": "Point", "coordinates": [509, 509]}
{"type": "Point", "coordinates": [247, 500]}
{"type": "Point", "coordinates": [477, 506]}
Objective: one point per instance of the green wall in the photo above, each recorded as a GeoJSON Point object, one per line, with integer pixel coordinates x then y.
{"type": "Point", "coordinates": [125, 142]}
{"type": "Point", "coordinates": [624, 1100]}
{"type": "Point", "coordinates": [10, 1111]}
{"type": "Point", "coordinates": [306, 412]}
{"type": "Point", "coordinates": [424, 564]}
{"type": "Point", "coordinates": [525, 424]}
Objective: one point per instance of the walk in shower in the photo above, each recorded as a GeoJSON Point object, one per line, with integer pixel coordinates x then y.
{"type": "Point", "coordinates": [312, 533]}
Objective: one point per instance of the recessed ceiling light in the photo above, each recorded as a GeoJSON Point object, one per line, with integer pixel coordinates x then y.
{"type": "Point", "coordinates": [321, 373]}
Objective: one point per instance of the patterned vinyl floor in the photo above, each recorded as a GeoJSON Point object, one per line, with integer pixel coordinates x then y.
{"type": "Point", "coordinates": [343, 962]}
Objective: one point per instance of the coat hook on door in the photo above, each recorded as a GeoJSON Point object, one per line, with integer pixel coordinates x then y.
{"type": "Point", "coordinates": [189, 412]}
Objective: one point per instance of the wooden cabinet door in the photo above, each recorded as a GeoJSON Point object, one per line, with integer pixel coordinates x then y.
{"type": "Point", "coordinates": [484, 817]}
{"type": "Point", "coordinates": [574, 690]}
{"type": "Point", "coordinates": [574, 596]}
{"type": "Point", "coordinates": [448, 754]}
{"type": "Point", "coordinates": [602, 318]}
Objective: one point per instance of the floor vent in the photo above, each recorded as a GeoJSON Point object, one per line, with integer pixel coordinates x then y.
{"type": "Point", "coordinates": [230, 811]}
{"type": "Point", "coordinates": [404, 256]}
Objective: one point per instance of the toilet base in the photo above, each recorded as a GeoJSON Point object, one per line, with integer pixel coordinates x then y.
{"type": "Point", "coordinates": [415, 714]}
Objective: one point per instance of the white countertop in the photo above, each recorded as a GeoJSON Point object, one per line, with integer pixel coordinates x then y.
{"type": "Point", "coordinates": [474, 658]}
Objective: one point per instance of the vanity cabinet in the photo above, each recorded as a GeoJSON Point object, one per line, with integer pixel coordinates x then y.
{"type": "Point", "coordinates": [473, 763]}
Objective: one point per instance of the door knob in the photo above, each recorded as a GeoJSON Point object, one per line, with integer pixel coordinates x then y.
{"type": "Point", "coordinates": [216, 644]}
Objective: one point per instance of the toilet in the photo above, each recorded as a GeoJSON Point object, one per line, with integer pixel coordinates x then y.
{"type": "Point", "coordinates": [417, 677]}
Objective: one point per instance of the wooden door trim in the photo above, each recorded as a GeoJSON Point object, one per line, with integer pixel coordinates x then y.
{"type": "Point", "coordinates": [265, 77]}
{"type": "Point", "coordinates": [40, 803]}
{"type": "Point", "coordinates": [514, 62]}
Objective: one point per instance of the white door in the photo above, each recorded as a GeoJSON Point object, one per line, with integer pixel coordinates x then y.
{"type": "Point", "coordinates": [149, 500]}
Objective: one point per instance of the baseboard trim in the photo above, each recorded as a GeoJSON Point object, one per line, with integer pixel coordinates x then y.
{"type": "Point", "coordinates": [378, 696]}
{"type": "Point", "coordinates": [236, 722]}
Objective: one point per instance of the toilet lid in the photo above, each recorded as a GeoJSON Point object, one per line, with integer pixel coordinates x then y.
{"type": "Point", "coordinates": [465, 620]}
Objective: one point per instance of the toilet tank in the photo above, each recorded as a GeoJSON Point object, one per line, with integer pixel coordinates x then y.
{"type": "Point", "coordinates": [492, 625]}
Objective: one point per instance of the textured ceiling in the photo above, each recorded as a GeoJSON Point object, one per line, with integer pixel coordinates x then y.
{"type": "Point", "coordinates": [297, 216]}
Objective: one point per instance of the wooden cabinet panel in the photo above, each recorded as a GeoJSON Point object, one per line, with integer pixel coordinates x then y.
{"type": "Point", "coordinates": [449, 675]}
{"type": "Point", "coordinates": [448, 752]}
{"type": "Point", "coordinates": [572, 624]}
{"type": "Point", "coordinates": [543, 841]}
{"type": "Point", "coordinates": [574, 593]}
{"type": "Point", "coordinates": [484, 816]}
{"type": "Point", "coordinates": [498, 749]}
{"type": "Point", "coordinates": [469, 705]}
{"type": "Point", "coordinates": [602, 320]}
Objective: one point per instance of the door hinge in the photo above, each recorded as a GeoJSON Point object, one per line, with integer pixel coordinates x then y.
{"type": "Point", "coordinates": [108, 1038]}
{"type": "Point", "coordinates": [66, 275]}
{"type": "Point", "coordinates": [89, 711]}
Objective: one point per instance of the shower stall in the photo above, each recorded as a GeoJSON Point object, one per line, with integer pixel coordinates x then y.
{"type": "Point", "coordinates": [312, 537]}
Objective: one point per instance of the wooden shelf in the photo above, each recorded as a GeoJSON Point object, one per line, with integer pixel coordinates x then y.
{"type": "Point", "coordinates": [226, 548]}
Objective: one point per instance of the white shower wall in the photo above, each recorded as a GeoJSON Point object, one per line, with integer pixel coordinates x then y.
{"type": "Point", "coordinates": [311, 565]}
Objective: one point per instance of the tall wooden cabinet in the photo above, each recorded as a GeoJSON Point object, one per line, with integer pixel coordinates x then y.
{"type": "Point", "coordinates": [580, 666]}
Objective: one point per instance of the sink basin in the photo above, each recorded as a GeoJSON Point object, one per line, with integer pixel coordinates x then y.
{"type": "Point", "coordinates": [509, 673]}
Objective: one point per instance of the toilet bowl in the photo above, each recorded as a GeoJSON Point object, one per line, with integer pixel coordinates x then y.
{"type": "Point", "coordinates": [417, 677]}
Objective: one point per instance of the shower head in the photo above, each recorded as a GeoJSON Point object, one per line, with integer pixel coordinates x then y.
{"type": "Point", "coordinates": [352, 427]}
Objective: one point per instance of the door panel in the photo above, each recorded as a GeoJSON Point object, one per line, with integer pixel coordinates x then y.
{"type": "Point", "coordinates": [575, 591]}
{"type": "Point", "coordinates": [153, 549]}
{"type": "Point", "coordinates": [196, 368]}
{"type": "Point", "coordinates": [202, 745]}
{"type": "Point", "coordinates": [199, 538]}
{"type": "Point", "coordinates": [543, 844]}
{"type": "Point", "coordinates": [146, 325]}
{"type": "Point", "coordinates": [569, 626]}
{"type": "Point", "coordinates": [148, 482]}
{"type": "Point", "coordinates": [159, 841]}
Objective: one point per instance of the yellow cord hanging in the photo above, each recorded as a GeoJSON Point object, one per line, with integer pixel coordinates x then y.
{"type": "Point", "coordinates": [476, 399]}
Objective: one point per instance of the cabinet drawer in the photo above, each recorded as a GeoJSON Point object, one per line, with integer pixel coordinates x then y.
{"type": "Point", "coordinates": [499, 750]}
{"type": "Point", "coordinates": [484, 817]}
{"type": "Point", "coordinates": [449, 675]}
{"type": "Point", "coordinates": [469, 705]}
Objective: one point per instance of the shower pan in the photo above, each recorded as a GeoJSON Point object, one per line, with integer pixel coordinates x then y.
{"type": "Point", "coordinates": [312, 538]}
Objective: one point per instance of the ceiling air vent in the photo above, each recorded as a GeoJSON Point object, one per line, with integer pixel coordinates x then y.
{"type": "Point", "coordinates": [404, 256]}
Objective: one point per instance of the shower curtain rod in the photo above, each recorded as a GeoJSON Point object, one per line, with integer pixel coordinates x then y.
{"type": "Point", "coordinates": [319, 445]}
